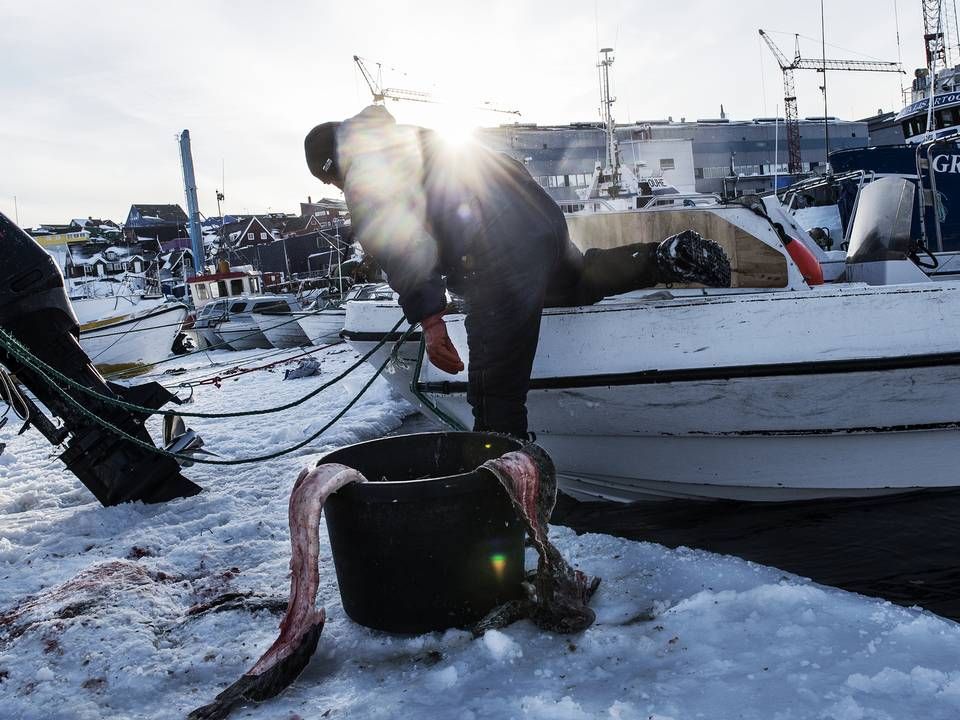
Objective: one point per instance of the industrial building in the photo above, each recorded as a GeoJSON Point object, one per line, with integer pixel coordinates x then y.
{"type": "Point", "coordinates": [717, 155]}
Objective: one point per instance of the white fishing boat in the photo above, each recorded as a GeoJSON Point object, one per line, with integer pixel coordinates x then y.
{"type": "Point", "coordinates": [212, 295]}
{"type": "Point", "coordinates": [322, 325]}
{"type": "Point", "coordinates": [769, 390]}
{"type": "Point", "coordinates": [120, 333]}
{"type": "Point", "coordinates": [239, 329]}
{"type": "Point", "coordinates": [323, 321]}
{"type": "Point", "coordinates": [280, 324]}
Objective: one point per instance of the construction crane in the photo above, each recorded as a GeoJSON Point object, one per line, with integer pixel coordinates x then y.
{"type": "Point", "coordinates": [790, 95]}
{"type": "Point", "coordinates": [937, 28]}
{"type": "Point", "coordinates": [381, 94]}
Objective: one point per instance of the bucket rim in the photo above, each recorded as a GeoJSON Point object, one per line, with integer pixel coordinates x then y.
{"type": "Point", "coordinates": [517, 445]}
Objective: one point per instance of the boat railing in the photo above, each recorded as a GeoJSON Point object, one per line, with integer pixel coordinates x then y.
{"type": "Point", "coordinates": [651, 202]}
{"type": "Point", "coordinates": [684, 199]}
{"type": "Point", "coordinates": [929, 196]}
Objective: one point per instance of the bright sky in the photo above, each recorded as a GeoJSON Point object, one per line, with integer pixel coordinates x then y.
{"type": "Point", "coordinates": [94, 93]}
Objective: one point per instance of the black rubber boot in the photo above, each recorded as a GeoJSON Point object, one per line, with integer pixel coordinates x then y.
{"type": "Point", "coordinates": [689, 258]}
{"type": "Point", "coordinates": [615, 271]}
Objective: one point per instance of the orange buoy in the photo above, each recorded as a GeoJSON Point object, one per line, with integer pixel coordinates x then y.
{"type": "Point", "coordinates": [805, 260]}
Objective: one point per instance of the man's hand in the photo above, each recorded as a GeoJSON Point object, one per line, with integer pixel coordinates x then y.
{"type": "Point", "coordinates": [440, 350]}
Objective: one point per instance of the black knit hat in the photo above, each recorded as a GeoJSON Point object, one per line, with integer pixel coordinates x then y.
{"type": "Point", "coordinates": [320, 147]}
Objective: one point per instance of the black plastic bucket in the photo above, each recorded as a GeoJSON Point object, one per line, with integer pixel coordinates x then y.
{"type": "Point", "coordinates": [428, 543]}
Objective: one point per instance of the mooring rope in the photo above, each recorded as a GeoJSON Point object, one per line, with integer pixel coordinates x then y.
{"type": "Point", "coordinates": [14, 347]}
{"type": "Point", "coordinates": [237, 461]}
{"type": "Point", "coordinates": [12, 396]}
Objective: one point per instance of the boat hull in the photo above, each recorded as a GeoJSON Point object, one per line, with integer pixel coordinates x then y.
{"type": "Point", "coordinates": [241, 334]}
{"type": "Point", "coordinates": [846, 391]}
{"type": "Point", "coordinates": [282, 330]}
{"type": "Point", "coordinates": [139, 339]}
{"type": "Point", "coordinates": [323, 327]}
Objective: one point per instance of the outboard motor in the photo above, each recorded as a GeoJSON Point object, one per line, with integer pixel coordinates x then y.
{"type": "Point", "coordinates": [883, 247]}
{"type": "Point", "coordinates": [35, 309]}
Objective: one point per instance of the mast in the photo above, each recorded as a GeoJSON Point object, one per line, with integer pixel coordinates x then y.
{"type": "Point", "coordinates": [193, 207]}
{"type": "Point", "coordinates": [606, 103]}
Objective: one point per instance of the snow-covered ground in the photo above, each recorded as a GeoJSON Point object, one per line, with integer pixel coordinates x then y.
{"type": "Point", "coordinates": [94, 605]}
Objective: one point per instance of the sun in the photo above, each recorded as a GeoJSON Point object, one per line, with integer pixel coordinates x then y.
{"type": "Point", "coordinates": [455, 126]}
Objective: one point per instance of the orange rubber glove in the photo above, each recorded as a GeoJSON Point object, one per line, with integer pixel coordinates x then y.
{"type": "Point", "coordinates": [440, 350]}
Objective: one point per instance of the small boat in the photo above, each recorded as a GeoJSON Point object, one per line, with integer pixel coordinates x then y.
{"type": "Point", "coordinates": [239, 329]}
{"type": "Point", "coordinates": [202, 331]}
{"type": "Point", "coordinates": [323, 321]}
{"type": "Point", "coordinates": [213, 295]}
{"type": "Point", "coordinates": [770, 390]}
{"type": "Point", "coordinates": [322, 324]}
{"type": "Point", "coordinates": [280, 324]}
{"type": "Point", "coordinates": [128, 333]}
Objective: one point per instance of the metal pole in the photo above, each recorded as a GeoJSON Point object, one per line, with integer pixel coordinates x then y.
{"type": "Point", "coordinates": [339, 269]}
{"type": "Point", "coordinates": [16, 210]}
{"type": "Point", "coordinates": [826, 123]}
{"type": "Point", "coordinates": [776, 145]}
{"type": "Point", "coordinates": [190, 188]}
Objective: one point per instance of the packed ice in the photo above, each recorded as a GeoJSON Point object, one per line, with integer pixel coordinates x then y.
{"type": "Point", "coordinates": [148, 611]}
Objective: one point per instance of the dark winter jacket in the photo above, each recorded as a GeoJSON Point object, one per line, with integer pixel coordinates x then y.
{"type": "Point", "coordinates": [426, 209]}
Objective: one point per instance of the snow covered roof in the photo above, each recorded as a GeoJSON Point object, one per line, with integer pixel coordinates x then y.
{"type": "Point", "coordinates": [153, 215]}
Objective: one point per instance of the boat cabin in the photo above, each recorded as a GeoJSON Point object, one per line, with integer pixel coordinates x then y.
{"type": "Point", "coordinates": [233, 283]}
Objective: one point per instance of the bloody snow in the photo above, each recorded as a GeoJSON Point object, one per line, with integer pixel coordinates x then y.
{"type": "Point", "coordinates": [149, 611]}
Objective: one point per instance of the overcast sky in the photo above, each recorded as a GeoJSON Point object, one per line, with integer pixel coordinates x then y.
{"type": "Point", "coordinates": [94, 92]}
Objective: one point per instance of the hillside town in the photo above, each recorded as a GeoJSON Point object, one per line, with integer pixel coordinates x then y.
{"type": "Point", "coordinates": [150, 251]}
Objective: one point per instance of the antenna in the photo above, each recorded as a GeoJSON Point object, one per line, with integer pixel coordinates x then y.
{"type": "Point", "coordinates": [606, 102]}
{"type": "Point", "coordinates": [826, 124]}
{"type": "Point", "coordinates": [896, 20]}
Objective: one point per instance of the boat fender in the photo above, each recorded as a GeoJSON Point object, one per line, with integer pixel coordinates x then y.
{"type": "Point", "coordinates": [803, 257]}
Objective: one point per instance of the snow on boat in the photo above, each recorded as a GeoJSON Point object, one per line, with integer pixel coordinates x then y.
{"type": "Point", "coordinates": [132, 334]}
{"type": "Point", "coordinates": [770, 390]}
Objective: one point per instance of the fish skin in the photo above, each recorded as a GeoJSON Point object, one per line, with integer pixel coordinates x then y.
{"type": "Point", "coordinates": [560, 595]}
{"type": "Point", "coordinates": [302, 624]}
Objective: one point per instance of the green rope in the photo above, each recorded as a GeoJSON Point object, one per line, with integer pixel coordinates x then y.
{"type": "Point", "coordinates": [14, 347]}
{"type": "Point", "coordinates": [239, 461]}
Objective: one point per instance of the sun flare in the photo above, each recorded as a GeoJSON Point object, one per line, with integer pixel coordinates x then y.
{"type": "Point", "coordinates": [456, 127]}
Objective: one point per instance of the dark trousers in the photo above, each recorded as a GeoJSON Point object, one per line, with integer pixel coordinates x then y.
{"type": "Point", "coordinates": [506, 293]}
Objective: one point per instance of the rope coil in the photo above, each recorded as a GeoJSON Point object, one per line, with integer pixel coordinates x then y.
{"type": "Point", "coordinates": [12, 396]}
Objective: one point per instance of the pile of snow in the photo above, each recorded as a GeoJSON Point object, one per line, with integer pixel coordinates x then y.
{"type": "Point", "coordinates": [148, 611]}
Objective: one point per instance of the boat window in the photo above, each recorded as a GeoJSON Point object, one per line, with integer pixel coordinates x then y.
{"type": "Point", "coordinates": [375, 292]}
{"type": "Point", "coordinates": [222, 288]}
{"type": "Point", "coordinates": [236, 287]}
{"type": "Point", "coordinates": [272, 306]}
{"type": "Point", "coordinates": [238, 307]}
{"type": "Point", "coordinates": [947, 117]}
{"type": "Point", "coordinates": [915, 126]}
